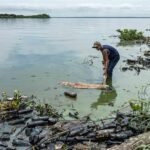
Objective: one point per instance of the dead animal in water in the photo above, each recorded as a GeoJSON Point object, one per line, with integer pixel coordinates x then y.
{"type": "Point", "coordinates": [80, 85]}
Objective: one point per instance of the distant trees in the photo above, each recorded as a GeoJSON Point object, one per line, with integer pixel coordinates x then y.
{"type": "Point", "coordinates": [42, 16]}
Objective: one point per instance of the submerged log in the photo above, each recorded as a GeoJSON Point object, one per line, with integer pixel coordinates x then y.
{"type": "Point", "coordinates": [80, 85]}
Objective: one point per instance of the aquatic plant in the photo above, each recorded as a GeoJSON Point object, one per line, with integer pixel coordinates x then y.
{"type": "Point", "coordinates": [10, 103]}
{"type": "Point", "coordinates": [16, 99]}
{"type": "Point", "coordinates": [140, 107]}
{"type": "Point", "coordinates": [141, 111]}
{"type": "Point", "coordinates": [130, 35]}
{"type": "Point", "coordinates": [143, 147]}
{"type": "Point", "coordinates": [46, 109]}
{"type": "Point", "coordinates": [4, 96]}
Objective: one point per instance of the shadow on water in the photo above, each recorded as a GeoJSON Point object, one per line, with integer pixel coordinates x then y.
{"type": "Point", "coordinates": [106, 97]}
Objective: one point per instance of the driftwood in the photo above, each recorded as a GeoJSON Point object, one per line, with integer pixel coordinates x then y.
{"type": "Point", "coordinates": [81, 85]}
{"type": "Point", "coordinates": [133, 142]}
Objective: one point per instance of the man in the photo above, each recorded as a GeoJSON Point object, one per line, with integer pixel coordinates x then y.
{"type": "Point", "coordinates": [110, 58]}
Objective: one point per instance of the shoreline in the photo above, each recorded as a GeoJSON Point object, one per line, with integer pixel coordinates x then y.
{"type": "Point", "coordinates": [42, 126]}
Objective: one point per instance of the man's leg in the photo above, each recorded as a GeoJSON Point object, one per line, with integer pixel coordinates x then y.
{"type": "Point", "coordinates": [111, 66]}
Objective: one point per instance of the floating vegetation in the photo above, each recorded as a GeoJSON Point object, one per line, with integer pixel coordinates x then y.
{"type": "Point", "coordinates": [42, 16]}
{"type": "Point", "coordinates": [132, 36]}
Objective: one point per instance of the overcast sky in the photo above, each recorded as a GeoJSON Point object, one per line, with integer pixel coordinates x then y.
{"type": "Point", "coordinates": [78, 7]}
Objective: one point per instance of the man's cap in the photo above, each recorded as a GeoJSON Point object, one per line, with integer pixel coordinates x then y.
{"type": "Point", "coordinates": [96, 44]}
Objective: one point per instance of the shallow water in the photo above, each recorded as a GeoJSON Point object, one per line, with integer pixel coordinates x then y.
{"type": "Point", "coordinates": [37, 54]}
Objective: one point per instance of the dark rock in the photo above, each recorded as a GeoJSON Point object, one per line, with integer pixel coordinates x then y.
{"type": "Point", "coordinates": [11, 148]}
{"type": "Point", "coordinates": [70, 94]}
{"type": "Point", "coordinates": [34, 139]}
{"type": "Point", "coordinates": [111, 104]}
{"type": "Point", "coordinates": [124, 68]}
{"type": "Point", "coordinates": [18, 121]}
{"type": "Point", "coordinates": [52, 121]}
{"type": "Point", "coordinates": [3, 145]}
{"type": "Point", "coordinates": [37, 123]}
{"type": "Point", "coordinates": [28, 131]}
{"type": "Point", "coordinates": [4, 137]}
{"type": "Point", "coordinates": [110, 142]}
{"type": "Point", "coordinates": [25, 111]}
{"type": "Point", "coordinates": [74, 115]}
{"type": "Point", "coordinates": [44, 118]}
{"type": "Point", "coordinates": [147, 53]}
{"type": "Point", "coordinates": [76, 131]}
{"type": "Point", "coordinates": [17, 142]}
{"type": "Point", "coordinates": [51, 146]}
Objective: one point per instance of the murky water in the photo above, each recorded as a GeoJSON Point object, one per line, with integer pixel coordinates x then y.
{"type": "Point", "coordinates": [37, 54]}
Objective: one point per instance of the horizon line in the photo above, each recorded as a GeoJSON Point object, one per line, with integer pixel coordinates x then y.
{"type": "Point", "coordinates": [102, 17]}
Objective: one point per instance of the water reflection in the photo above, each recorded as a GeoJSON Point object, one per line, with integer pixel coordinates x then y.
{"type": "Point", "coordinates": [106, 96]}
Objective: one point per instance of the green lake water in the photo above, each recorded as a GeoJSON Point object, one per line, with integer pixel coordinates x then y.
{"type": "Point", "coordinates": [37, 54]}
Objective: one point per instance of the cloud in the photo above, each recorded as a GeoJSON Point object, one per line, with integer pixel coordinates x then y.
{"type": "Point", "coordinates": [48, 6]}
{"type": "Point", "coordinates": [93, 8]}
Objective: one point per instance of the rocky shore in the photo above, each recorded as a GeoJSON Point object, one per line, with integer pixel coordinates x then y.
{"type": "Point", "coordinates": [25, 125]}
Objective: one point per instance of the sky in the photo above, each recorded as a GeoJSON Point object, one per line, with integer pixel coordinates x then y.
{"type": "Point", "coordinates": [78, 8]}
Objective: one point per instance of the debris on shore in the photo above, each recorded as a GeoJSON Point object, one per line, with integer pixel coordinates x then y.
{"type": "Point", "coordinates": [141, 63]}
{"type": "Point", "coordinates": [26, 125]}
